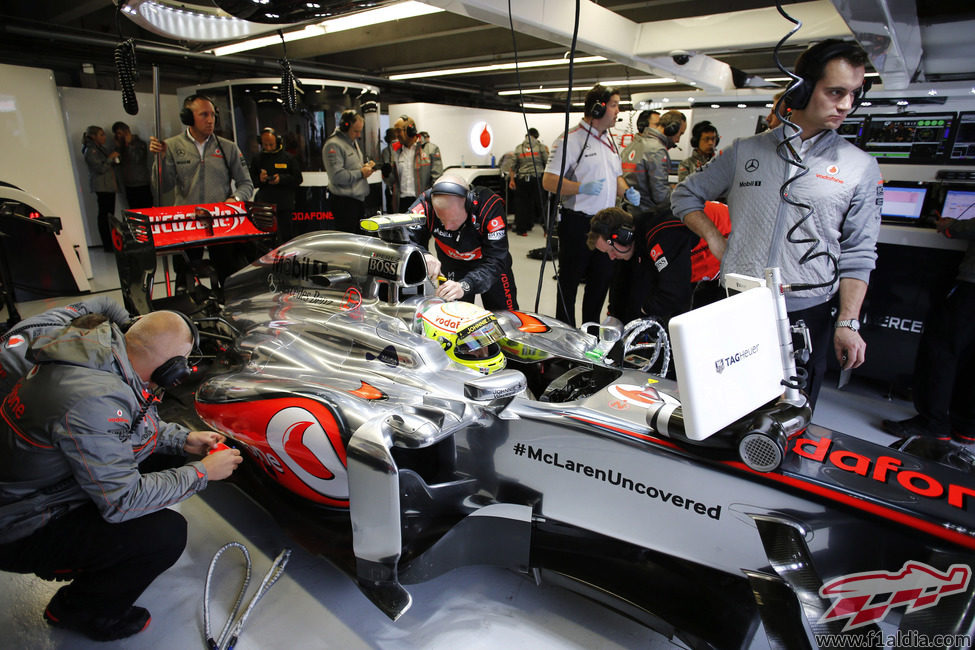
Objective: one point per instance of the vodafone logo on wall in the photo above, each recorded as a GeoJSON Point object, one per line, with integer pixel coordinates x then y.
{"type": "Point", "coordinates": [482, 138]}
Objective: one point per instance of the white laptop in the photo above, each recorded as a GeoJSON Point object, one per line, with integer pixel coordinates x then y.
{"type": "Point", "coordinates": [727, 359]}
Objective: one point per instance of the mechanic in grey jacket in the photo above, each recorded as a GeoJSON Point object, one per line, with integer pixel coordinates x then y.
{"type": "Point", "coordinates": [843, 185]}
{"type": "Point", "coordinates": [73, 504]}
{"type": "Point", "coordinates": [347, 173]}
{"type": "Point", "coordinates": [198, 167]}
{"type": "Point", "coordinates": [646, 162]}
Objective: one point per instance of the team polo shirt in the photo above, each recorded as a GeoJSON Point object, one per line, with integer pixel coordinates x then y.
{"type": "Point", "coordinates": [599, 159]}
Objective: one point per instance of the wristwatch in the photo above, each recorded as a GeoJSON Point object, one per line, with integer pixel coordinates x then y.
{"type": "Point", "coordinates": [465, 285]}
{"type": "Point", "coordinates": [853, 324]}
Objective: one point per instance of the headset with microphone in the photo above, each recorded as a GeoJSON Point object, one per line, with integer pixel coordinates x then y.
{"type": "Point", "coordinates": [186, 113]}
{"type": "Point", "coordinates": [176, 370]}
{"type": "Point", "coordinates": [700, 129]}
{"type": "Point", "coordinates": [452, 188]}
{"type": "Point", "coordinates": [597, 100]}
{"type": "Point", "coordinates": [410, 128]}
{"type": "Point", "coordinates": [277, 138]}
{"type": "Point", "coordinates": [347, 119]}
{"type": "Point", "coordinates": [810, 67]}
{"type": "Point", "coordinates": [621, 235]}
{"type": "Point", "coordinates": [671, 123]}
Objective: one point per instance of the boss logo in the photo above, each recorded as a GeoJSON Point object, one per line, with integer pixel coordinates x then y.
{"type": "Point", "coordinates": [383, 267]}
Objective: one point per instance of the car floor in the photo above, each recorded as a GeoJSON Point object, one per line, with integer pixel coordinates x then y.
{"type": "Point", "coordinates": [314, 605]}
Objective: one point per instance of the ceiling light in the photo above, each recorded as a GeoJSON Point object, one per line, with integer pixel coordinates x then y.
{"type": "Point", "coordinates": [543, 107]}
{"type": "Point", "coordinates": [651, 81]}
{"type": "Point", "coordinates": [902, 102]}
{"type": "Point", "coordinates": [408, 9]}
{"type": "Point", "coordinates": [932, 92]}
{"type": "Point", "coordinates": [742, 105]}
{"type": "Point", "coordinates": [715, 105]}
{"type": "Point", "coordinates": [492, 67]}
{"type": "Point", "coordinates": [866, 103]}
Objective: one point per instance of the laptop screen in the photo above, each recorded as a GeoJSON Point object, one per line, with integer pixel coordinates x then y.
{"type": "Point", "coordinates": [903, 202]}
{"type": "Point", "coordinates": [958, 205]}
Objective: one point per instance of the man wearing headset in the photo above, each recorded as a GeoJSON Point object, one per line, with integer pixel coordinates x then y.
{"type": "Point", "coordinates": [200, 167]}
{"type": "Point", "coordinates": [73, 503]}
{"type": "Point", "coordinates": [704, 139]}
{"type": "Point", "coordinates": [347, 172]}
{"type": "Point", "coordinates": [646, 161]}
{"type": "Point", "coordinates": [592, 181]}
{"type": "Point", "coordinates": [657, 262]}
{"type": "Point", "coordinates": [469, 230]}
{"type": "Point", "coordinates": [828, 251]}
{"type": "Point", "coordinates": [413, 167]}
{"type": "Point", "coordinates": [277, 175]}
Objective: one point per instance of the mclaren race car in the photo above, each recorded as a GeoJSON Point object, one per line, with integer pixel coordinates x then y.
{"type": "Point", "coordinates": [403, 437]}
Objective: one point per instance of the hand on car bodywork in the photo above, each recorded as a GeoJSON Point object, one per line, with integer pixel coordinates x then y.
{"type": "Point", "coordinates": [221, 464]}
{"type": "Point", "coordinates": [200, 442]}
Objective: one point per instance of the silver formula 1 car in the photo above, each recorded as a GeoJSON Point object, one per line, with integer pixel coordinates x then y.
{"type": "Point", "coordinates": [403, 437]}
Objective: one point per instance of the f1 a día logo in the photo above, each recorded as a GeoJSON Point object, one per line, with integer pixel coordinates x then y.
{"type": "Point", "coordinates": [867, 597]}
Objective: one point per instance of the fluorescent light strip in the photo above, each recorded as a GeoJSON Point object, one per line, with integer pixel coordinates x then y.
{"type": "Point", "coordinates": [409, 9]}
{"type": "Point", "coordinates": [869, 74]}
{"type": "Point", "coordinates": [544, 107]}
{"type": "Point", "coordinates": [654, 81]}
{"type": "Point", "coordinates": [494, 66]}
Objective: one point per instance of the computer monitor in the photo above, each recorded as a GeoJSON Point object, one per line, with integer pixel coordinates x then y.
{"type": "Point", "coordinates": [959, 204]}
{"type": "Point", "coordinates": [853, 128]}
{"type": "Point", "coordinates": [963, 147]}
{"type": "Point", "coordinates": [916, 138]}
{"type": "Point", "coordinates": [903, 202]}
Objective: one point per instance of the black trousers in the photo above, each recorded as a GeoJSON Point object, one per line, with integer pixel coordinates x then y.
{"type": "Point", "coordinates": [138, 196]}
{"type": "Point", "coordinates": [106, 209]}
{"type": "Point", "coordinates": [528, 203]}
{"type": "Point", "coordinates": [109, 565]}
{"type": "Point", "coordinates": [819, 320]}
{"type": "Point", "coordinates": [578, 263]}
{"type": "Point", "coordinates": [944, 384]}
{"type": "Point", "coordinates": [347, 212]}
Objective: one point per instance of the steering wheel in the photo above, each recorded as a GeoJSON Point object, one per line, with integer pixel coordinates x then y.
{"type": "Point", "coordinates": [647, 335]}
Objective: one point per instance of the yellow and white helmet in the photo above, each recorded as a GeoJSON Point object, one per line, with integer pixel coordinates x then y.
{"type": "Point", "coordinates": [468, 334]}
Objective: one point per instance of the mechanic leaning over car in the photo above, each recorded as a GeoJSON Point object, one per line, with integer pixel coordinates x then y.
{"type": "Point", "coordinates": [658, 263]}
{"type": "Point", "coordinates": [468, 225]}
{"type": "Point", "coordinates": [843, 186]}
{"type": "Point", "coordinates": [73, 503]}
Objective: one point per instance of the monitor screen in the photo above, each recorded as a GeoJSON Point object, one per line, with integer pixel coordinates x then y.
{"type": "Point", "coordinates": [959, 204]}
{"type": "Point", "coordinates": [918, 138]}
{"type": "Point", "coordinates": [903, 202]}
{"type": "Point", "coordinates": [852, 129]}
{"type": "Point", "coordinates": [963, 148]}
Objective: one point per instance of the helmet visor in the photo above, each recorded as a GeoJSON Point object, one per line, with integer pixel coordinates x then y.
{"type": "Point", "coordinates": [475, 339]}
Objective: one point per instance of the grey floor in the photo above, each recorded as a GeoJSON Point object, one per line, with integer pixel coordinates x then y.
{"type": "Point", "coordinates": [315, 606]}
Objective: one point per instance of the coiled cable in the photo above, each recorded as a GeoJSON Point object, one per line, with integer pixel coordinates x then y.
{"type": "Point", "coordinates": [127, 74]}
{"type": "Point", "coordinates": [230, 627]}
{"type": "Point", "coordinates": [289, 93]}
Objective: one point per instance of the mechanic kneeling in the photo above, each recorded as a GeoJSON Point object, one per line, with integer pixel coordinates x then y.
{"type": "Point", "coordinates": [73, 504]}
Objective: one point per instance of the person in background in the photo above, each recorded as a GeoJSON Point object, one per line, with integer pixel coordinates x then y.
{"type": "Point", "coordinates": [646, 161]}
{"type": "Point", "coordinates": [73, 502]}
{"type": "Point", "coordinates": [101, 161]}
{"type": "Point", "coordinates": [424, 137]}
{"type": "Point", "coordinates": [276, 175]}
{"type": "Point", "coordinates": [593, 180]}
{"type": "Point", "coordinates": [836, 231]}
{"type": "Point", "coordinates": [348, 172]}
{"type": "Point", "coordinates": [943, 385]}
{"type": "Point", "coordinates": [200, 167]}
{"type": "Point", "coordinates": [527, 166]}
{"type": "Point", "coordinates": [468, 226]}
{"type": "Point", "coordinates": [414, 167]}
{"type": "Point", "coordinates": [704, 139]}
{"type": "Point", "coordinates": [134, 156]}
{"type": "Point", "coordinates": [386, 166]}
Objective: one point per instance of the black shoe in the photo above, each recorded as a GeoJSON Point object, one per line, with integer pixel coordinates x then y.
{"type": "Point", "coordinates": [98, 628]}
{"type": "Point", "coordinates": [915, 426]}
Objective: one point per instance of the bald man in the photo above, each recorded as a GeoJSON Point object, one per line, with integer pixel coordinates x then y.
{"type": "Point", "coordinates": [73, 503]}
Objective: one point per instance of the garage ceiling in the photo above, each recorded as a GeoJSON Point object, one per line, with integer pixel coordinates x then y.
{"type": "Point", "coordinates": [908, 41]}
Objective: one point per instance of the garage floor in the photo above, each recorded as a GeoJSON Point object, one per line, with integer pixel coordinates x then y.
{"type": "Point", "coordinates": [315, 606]}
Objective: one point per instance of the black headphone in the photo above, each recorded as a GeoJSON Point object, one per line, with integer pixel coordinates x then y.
{"type": "Point", "coordinates": [810, 65]}
{"type": "Point", "coordinates": [700, 129]}
{"type": "Point", "coordinates": [410, 131]}
{"type": "Point", "coordinates": [186, 113]}
{"type": "Point", "coordinates": [643, 121]}
{"type": "Point", "coordinates": [277, 138]}
{"type": "Point", "coordinates": [175, 370]}
{"type": "Point", "coordinates": [597, 101]}
{"type": "Point", "coordinates": [622, 235]}
{"type": "Point", "coordinates": [456, 189]}
{"type": "Point", "coordinates": [671, 123]}
{"type": "Point", "coordinates": [347, 119]}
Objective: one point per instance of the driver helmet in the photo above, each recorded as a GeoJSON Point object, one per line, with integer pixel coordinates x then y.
{"type": "Point", "coordinates": [467, 333]}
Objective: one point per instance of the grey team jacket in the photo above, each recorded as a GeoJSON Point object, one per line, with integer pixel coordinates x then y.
{"type": "Point", "coordinates": [427, 167]}
{"type": "Point", "coordinates": [205, 180]}
{"type": "Point", "coordinates": [530, 159]}
{"type": "Point", "coordinates": [843, 185]}
{"type": "Point", "coordinates": [646, 166]}
{"type": "Point", "coordinates": [344, 166]}
{"type": "Point", "coordinates": [58, 454]}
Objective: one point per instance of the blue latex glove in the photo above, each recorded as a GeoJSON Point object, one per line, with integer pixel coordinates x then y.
{"type": "Point", "coordinates": [592, 188]}
{"type": "Point", "coordinates": [632, 195]}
